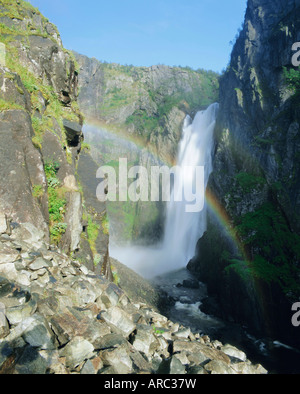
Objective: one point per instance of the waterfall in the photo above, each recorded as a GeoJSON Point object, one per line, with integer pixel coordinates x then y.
{"type": "Point", "coordinates": [182, 229]}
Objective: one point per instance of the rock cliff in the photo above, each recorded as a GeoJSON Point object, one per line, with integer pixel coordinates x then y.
{"type": "Point", "coordinates": [256, 177]}
{"type": "Point", "coordinates": [41, 130]}
{"type": "Point", "coordinates": [147, 103]}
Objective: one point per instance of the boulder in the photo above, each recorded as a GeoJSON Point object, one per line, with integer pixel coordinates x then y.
{"type": "Point", "coordinates": [3, 223]}
{"type": "Point", "coordinates": [4, 328]}
{"type": "Point", "coordinates": [232, 351]}
{"type": "Point", "coordinates": [16, 314]}
{"type": "Point", "coordinates": [37, 332]}
{"type": "Point", "coordinates": [73, 132]}
{"type": "Point", "coordinates": [119, 359]}
{"type": "Point", "coordinates": [218, 367]}
{"type": "Point", "coordinates": [191, 284]}
{"type": "Point", "coordinates": [173, 366]}
{"type": "Point", "coordinates": [39, 263]}
{"type": "Point", "coordinates": [144, 340]}
{"type": "Point", "coordinates": [77, 351]}
{"type": "Point", "coordinates": [119, 320]}
{"type": "Point", "coordinates": [8, 255]}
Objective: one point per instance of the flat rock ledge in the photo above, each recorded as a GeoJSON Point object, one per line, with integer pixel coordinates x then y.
{"type": "Point", "coordinates": [57, 317]}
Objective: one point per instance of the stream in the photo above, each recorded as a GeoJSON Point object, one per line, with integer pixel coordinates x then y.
{"type": "Point", "coordinates": [276, 357]}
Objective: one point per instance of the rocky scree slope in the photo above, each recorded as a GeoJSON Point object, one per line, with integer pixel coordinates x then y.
{"type": "Point", "coordinates": [41, 134]}
{"type": "Point", "coordinates": [256, 177]}
{"type": "Point", "coordinates": [58, 317]}
{"type": "Point", "coordinates": [148, 104]}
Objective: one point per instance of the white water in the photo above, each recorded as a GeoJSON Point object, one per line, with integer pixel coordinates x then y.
{"type": "Point", "coordinates": [182, 229]}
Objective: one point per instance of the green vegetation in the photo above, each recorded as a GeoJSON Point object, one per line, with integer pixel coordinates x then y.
{"type": "Point", "coordinates": [274, 248]}
{"type": "Point", "coordinates": [157, 331]}
{"type": "Point", "coordinates": [92, 232]}
{"type": "Point", "coordinates": [85, 146]}
{"type": "Point", "coordinates": [144, 123]}
{"type": "Point", "coordinates": [105, 225]}
{"type": "Point", "coordinates": [125, 86]}
{"type": "Point", "coordinates": [37, 191]}
{"type": "Point", "coordinates": [97, 259]}
{"type": "Point", "coordinates": [204, 92]}
{"type": "Point", "coordinates": [248, 182]}
{"type": "Point", "coordinates": [240, 267]}
{"type": "Point", "coordinates": [34, 85]}
{"type": "Point", "coordinates": [57, 202]}
{"type": "Point", "coordinates": [292, 78]}
{"type": "Point", "coordinates": [8, 105]}
{"type": "Point", "coordinates": [116, 278]}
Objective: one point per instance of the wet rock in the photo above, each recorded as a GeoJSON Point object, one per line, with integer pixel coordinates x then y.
{"type": "Point", "coordinates": [191, 284]}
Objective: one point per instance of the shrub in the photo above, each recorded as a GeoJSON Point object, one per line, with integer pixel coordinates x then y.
{"type": "Point", "coordinates": [249, 182]}
{"type": "Point", "coordinates": [292, 79]}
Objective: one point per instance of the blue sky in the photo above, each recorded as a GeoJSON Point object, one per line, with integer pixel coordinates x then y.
{"type": "Point", "coordinates": [194, 33]}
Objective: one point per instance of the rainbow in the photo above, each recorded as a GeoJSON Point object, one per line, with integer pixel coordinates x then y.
{"type": "Point", "coordinates": [225, 221]}
{"type": "Point", "coordinates": [212, 201]}
{"type": "Point", "coordinates": [139, 141]}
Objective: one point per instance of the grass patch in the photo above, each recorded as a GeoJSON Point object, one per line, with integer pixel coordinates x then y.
{"type": "Point", "coordinates": [56, 202]}
{"type": "Point", "coordinates": [9, 105]}
{"type": "Point", "coordinates": [85, 147]}
{"type": "Point", "coordinates": [92, 232]}
{"type": "Point", "coordinates": [105, 225]}
{"type": "Point", "coordinates": [37, 191]}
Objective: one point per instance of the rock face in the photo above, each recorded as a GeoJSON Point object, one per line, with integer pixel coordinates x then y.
{"type": "Point", "coordinates": [39, 87]}
{"type": "Point", "coordinates": [142, 109]}
{"type": "Point", "coordinates": [58, 317]}
{"type": "Point", "coordinates": [148, 104]}
{"type": "Point", "coordinates": [41, 132]}
{"type": "Point", "coordinates": [255, 184]}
